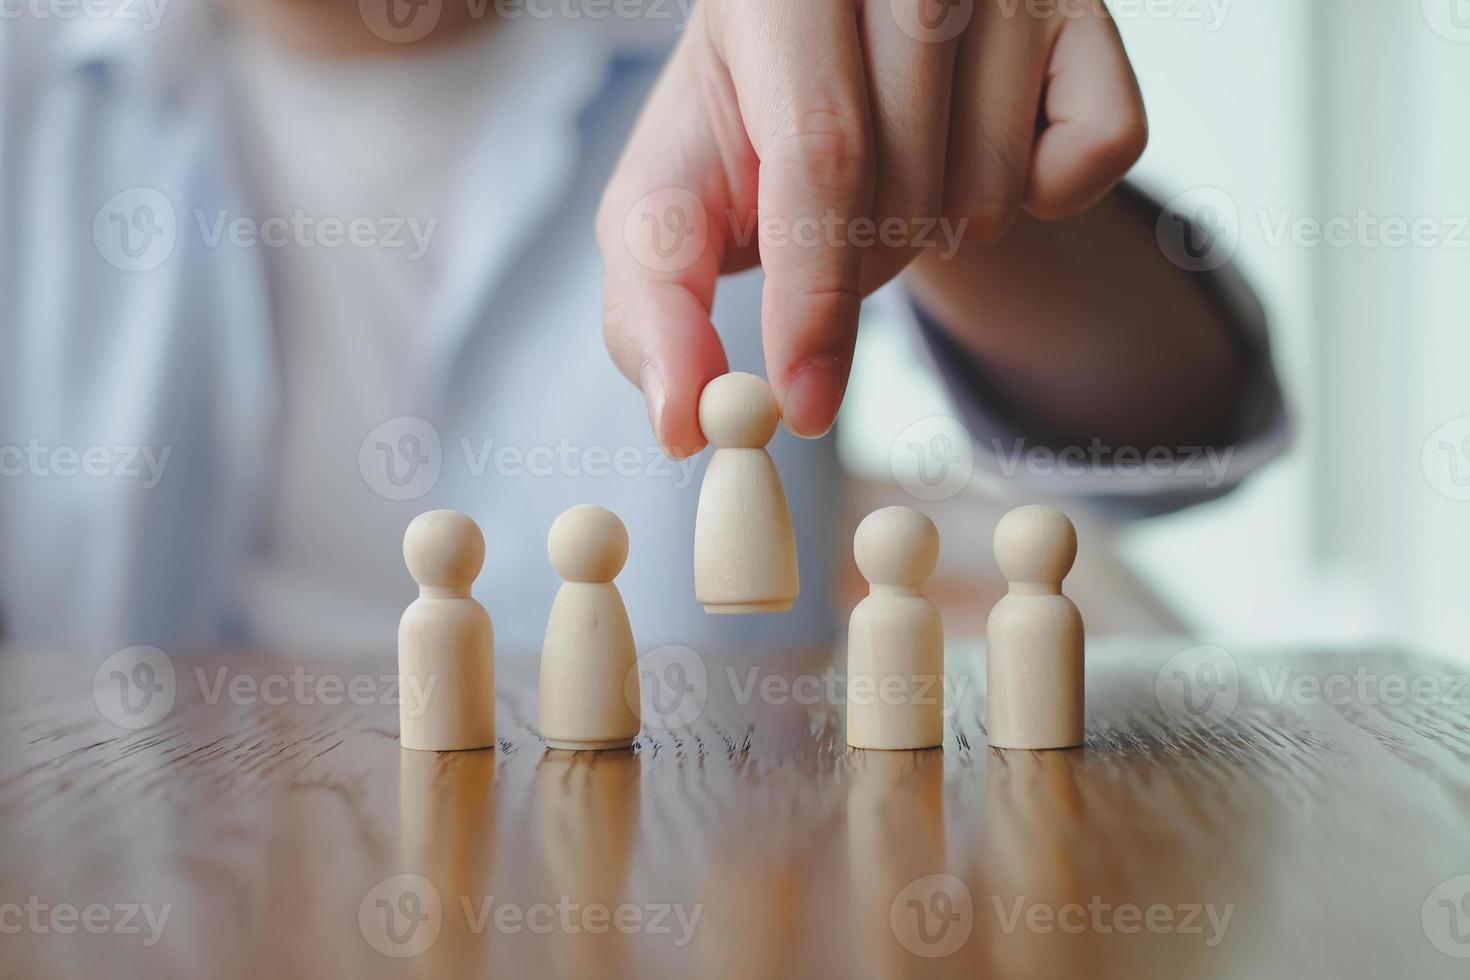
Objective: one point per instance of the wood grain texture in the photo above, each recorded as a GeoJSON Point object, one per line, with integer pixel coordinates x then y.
{"type": "Point", "coordinates": [268, 824]}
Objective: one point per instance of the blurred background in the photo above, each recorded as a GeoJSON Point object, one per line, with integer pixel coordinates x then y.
{"type": "Point", "coordinates": [1319, 146]}
{"type": "Point", "coordinates": [1324, 142]}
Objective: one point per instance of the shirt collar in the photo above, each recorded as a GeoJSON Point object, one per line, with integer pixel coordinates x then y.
{"type": "Point", "coordinates": [516, 172]}
{"type": "Point", "coordinates": [157, 42]}
{"type": "Point", "coordinates": [153, 43]}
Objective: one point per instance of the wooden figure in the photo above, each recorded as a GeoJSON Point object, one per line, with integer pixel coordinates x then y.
{"type": "Point", "coordinates": [895, 639]}
{"type": "Point", "coordinates": [446, 643]}
{"type": "Point", "coordinates": [588, 656]}
{"type": "Point", "coordinates": [744, 547]}
{"type": "Point", "coordinates": [1034, 672]}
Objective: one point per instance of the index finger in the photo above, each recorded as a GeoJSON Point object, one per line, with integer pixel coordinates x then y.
{"type": "Point", "coordinates": [799, 77]}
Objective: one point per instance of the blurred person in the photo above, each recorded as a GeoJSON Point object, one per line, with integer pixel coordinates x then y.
{"type": "Point", "coordinates": [275, 276]}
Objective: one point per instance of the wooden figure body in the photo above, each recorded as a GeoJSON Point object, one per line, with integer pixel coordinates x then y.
{"type": "Point", "coordinates": [744, 546]}
{"type": "Point", "coordinates": [1034, 637]}
{"type": "Point", "coordinates": [895, 639]}
{"type": "Point", "coordinates": [589, 692]}
{"type": "Point", "coordinates": [446, 643]}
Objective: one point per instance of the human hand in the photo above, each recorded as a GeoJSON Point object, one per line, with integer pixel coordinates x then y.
{"type": "Point", "coordinates": [831, 141]}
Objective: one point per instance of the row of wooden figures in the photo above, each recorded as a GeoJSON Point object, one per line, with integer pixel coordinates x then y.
{"type": "Point", "coordinates": [744, 563]}
{"type": "Point", "coordinates": [589, 692]}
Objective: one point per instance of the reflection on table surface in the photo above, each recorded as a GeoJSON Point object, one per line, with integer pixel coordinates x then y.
{"type": "Point", "coordinates": [1284, 835]}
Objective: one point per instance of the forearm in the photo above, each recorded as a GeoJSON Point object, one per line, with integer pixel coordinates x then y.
{"type": "Point", "coordinates": [1085, 330]}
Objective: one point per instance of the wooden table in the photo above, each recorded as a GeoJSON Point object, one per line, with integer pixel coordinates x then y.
{"type": "Point", "coordinates": [1297, 834]}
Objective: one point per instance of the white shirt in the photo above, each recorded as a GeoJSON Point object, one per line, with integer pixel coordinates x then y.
{"type": "Point", "coordinates": [373, 142]}
{"type": "Point", "coordinates": [537, 419]}
{"type": "Point", "coordinates": [127, 324]}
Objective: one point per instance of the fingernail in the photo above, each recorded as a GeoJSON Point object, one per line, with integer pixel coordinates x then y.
{"type": "Point", "coordinates": [654, 394]}
{"type": "Point", "coordinates": [812, 397]}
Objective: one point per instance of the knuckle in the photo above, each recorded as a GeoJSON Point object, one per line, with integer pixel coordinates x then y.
{"type": "Point", "coordinates": [829, 290]}
{"type": "Point", "coordinates": [829, 144]}
{"type": "Point", "coordinates": [826, 298]}
{"type": "Point", "coordinates": [617, 319]}
{"type": "Point", "coordinates": [988, 194]}
{"type": "Point", "coordinates": [1118, 146]}
{"type": "Point", "coordinates": [911, 197]}
{"type": "Point", "coordinates": [927, 199]}
{"type": "Point", "coordinates": [990, 218]}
